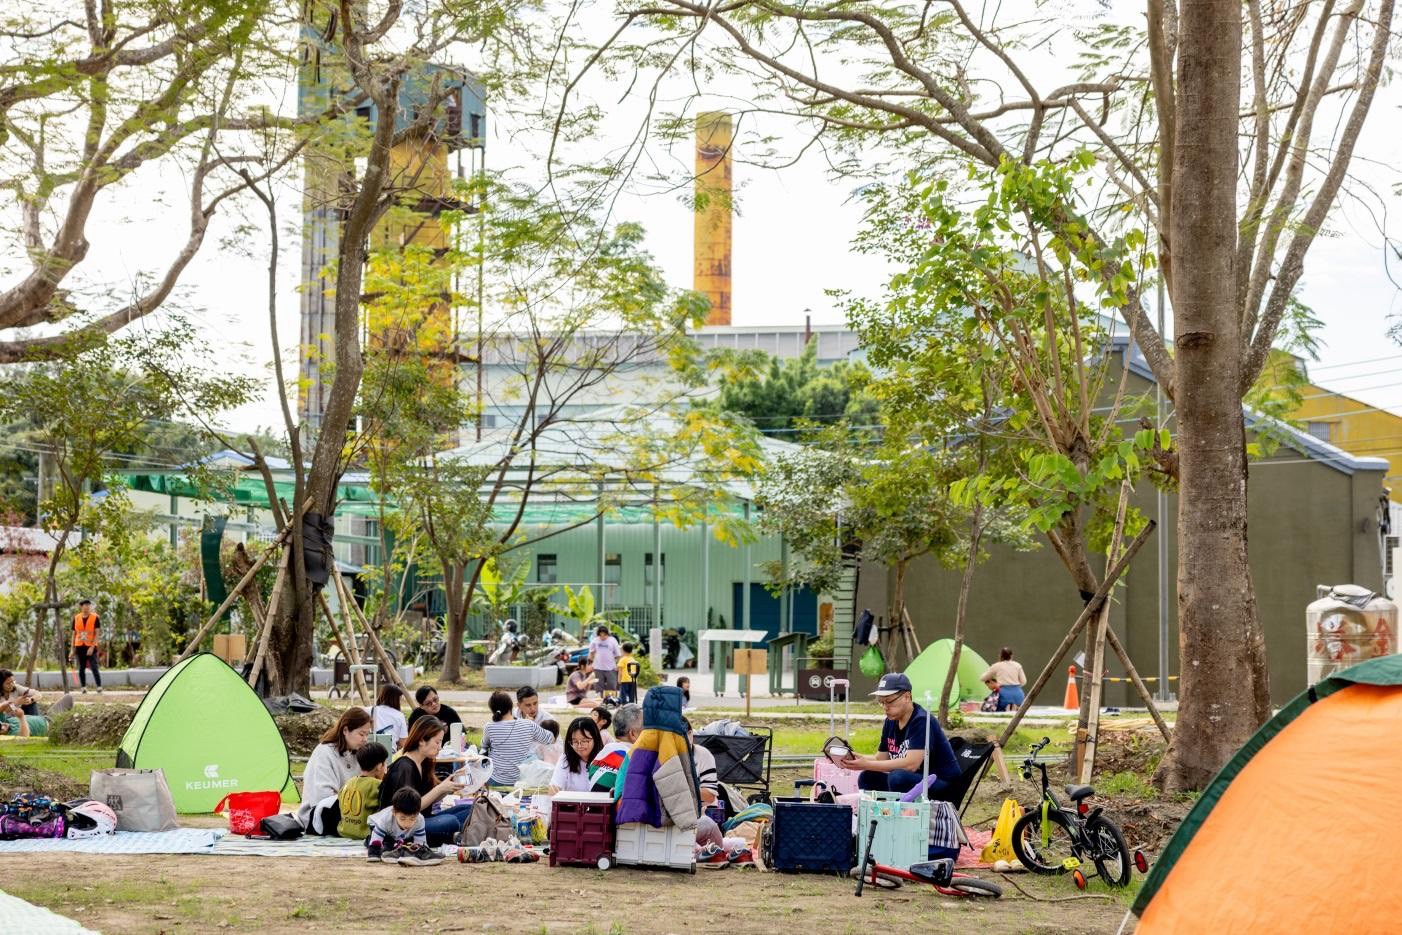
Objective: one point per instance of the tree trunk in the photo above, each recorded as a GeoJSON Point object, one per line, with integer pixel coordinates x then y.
{"type": "Point", "coordinates": [961, 611]}
{"type": "Point", "coordinates": [456, 623]}
{"type": "Point", "coordinates": [1224, 687]}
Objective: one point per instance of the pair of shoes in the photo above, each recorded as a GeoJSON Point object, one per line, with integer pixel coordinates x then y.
{"type": "Point", "coordinates": [520, 855]}
{"type": "Point", "coordinates": [713, 856]}
{"type": "Point", "coordinates": [385, 855]}
{"type": "Point", "coordinates": [740, 856]}
{"type": "Point", "coordinates": [84, 690]}
{"type": "Point", "coordinates": [414, 855]}
{"type": "Point", "coordinates": [475, 855]}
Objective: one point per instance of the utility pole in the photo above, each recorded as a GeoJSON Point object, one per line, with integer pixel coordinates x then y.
{"type": "Point", "coordinates": [1162, 504]}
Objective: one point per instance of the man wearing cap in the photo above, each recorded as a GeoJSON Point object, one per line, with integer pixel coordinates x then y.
{"type": "Point", "coordinates": [899, 762]}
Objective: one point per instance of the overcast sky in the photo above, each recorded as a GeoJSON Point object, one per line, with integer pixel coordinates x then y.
{"type": "Point", "coordinates": [791, 243]}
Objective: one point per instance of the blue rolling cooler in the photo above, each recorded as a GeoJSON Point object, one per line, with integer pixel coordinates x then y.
{"type": "Point", "coordinates": [813, 837]}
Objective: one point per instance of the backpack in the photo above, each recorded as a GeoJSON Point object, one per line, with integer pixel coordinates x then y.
{"type": "Point", "coordinates": [487, 820]}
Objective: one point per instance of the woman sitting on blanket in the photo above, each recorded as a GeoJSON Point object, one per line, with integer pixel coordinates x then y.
{"type": "Point", "coordinates": [331, 764]}
{"type": "Point", "coordinates": [415, 770]}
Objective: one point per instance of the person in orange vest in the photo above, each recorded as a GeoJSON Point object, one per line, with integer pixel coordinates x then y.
{"type": "Point", "coordinates": [85, 626]}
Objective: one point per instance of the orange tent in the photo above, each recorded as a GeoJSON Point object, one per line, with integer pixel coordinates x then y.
{"type": "Point", "coordinates": [1295, 833]}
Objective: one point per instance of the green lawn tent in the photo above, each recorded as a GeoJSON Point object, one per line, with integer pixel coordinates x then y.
{"type": "Point", "coordinates": [210, 733]}
{"type": "Point", "coordinates": [928, 670]}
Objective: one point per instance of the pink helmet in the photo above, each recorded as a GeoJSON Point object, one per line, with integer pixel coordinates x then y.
{"type": "Point", "coordinates": [90, 819]}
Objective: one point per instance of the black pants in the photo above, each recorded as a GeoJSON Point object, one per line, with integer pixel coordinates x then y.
{"type": "Point", "coordinates": [628, 692]}
{"type": "Point", "coordinates": [87, 656]}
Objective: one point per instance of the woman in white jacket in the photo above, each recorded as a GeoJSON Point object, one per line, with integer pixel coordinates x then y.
{"type": "Point", "coordinates": [331, 764]}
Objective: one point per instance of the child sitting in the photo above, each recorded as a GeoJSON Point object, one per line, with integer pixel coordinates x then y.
{"type": "Point", "coordinates": [361, 794]}
{"type": "Point", "coordinates": [991, 702]}
{"type": "Point", "coordinates": [399, 834]}
{"type": "Point", "coordinates": [550, 752]}
{"type": "Point", "coordinates": [602, 720]}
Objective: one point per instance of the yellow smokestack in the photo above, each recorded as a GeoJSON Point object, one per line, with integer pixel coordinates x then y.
{"type": "Point", "coordinates": [711, 273]}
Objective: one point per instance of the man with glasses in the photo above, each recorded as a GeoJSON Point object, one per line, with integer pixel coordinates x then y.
{"type": "Point", "coordinates": [899, 762]}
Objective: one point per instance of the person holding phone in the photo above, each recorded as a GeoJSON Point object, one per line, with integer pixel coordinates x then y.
{"type": "Point", "coordinates": [415, 770]}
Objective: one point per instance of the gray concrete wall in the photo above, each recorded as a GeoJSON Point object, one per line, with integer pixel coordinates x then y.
{"type": "Point", "coordinates": [1310, 523]}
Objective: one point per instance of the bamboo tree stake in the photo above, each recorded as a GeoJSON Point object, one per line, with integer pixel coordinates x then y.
{"type": "Point", "coordinates": [385, 663]}
{"type": "Point", "coordinates": [1092, 607]}
{"type": "Point", "coordinates": [347, 647]}
{"type": "Point", "coordinates": [267, 632]}
{"type": "Point", "coordinates": [1144, 693]}
{"type": "Point", "coordinates": [233, 595]}
{"type": "Point", "coordinates": [1086, 741]}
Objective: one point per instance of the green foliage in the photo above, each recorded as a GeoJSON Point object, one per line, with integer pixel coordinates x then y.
{"type": "Point", "coordinates": [992, 303]}
{"type": "Point", "coordinates": [501, 586]}
{"type": "Point", "coordinates": [786, 398]}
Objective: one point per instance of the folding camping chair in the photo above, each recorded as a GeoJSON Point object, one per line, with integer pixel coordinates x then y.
{"type": "Point", "coordinates": [974, 762]}
{"type": "Point", "coordinates": [743, 760]}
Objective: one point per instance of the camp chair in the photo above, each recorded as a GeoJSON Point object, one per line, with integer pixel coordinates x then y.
{"type": "Point", "coordinates": [742, 761]}
{"type": "Point", "coordinates": [974, 761]}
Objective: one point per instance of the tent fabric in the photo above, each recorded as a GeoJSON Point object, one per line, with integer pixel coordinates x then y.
{"type": "Point", "coordinates": [928, 670]}
{"type": "Point", "coordinates": [211, 735]}
{"type": "Point", "coordinates": [1289, 836]}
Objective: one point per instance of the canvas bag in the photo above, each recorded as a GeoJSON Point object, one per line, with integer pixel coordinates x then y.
{"type": "Point", "coordinates": [140, 797]}
{"type": "Point", "coordinates": [488, 820]}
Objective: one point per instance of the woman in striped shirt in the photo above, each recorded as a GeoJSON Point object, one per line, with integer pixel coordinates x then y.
{"type": "Point", "coordinates": [510, 740]}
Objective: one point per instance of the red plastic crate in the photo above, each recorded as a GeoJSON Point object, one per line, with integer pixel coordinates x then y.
{"type": "Point", "coordinates": [581, 829]}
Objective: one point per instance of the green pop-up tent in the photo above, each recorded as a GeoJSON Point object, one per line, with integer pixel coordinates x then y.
{"type": "Point", "coordinates": [928, 670]}
{"type": "Point", "coordinates": [211, 735]}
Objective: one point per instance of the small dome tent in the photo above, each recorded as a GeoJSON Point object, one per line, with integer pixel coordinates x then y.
{"type": "Point", "coordinates": [211, 735]}
{"type": "Point", "coordinates": [928, 670]}
{"type": "Point", "coordinates": [1294, 834]}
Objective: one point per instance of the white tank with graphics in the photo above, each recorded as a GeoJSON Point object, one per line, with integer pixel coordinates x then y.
{"type": "Point", "coordinates": [1346, 625]}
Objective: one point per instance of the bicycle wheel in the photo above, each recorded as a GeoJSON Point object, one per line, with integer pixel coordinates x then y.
{"type": "Point", "coordinates": [973, 886]}
{"type": "Point", "coordinates": [1108, 850]}
{"type": "Point", "coordinates": [881, 880]}
{"type": "Point", "coordinates": [1049, 857]}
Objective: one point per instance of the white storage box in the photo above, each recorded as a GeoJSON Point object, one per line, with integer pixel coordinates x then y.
{"type": "Point", "coordinates": [637, 844]}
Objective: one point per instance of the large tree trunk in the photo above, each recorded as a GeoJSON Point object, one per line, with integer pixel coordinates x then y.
{"type": "Point", "coordinates": [1224, 684]}
{"type": "Point", "coordinates": [457, 622]}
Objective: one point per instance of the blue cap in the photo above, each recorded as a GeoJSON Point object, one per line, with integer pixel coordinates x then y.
{"type": "Point", "coordinates": [892, 683]}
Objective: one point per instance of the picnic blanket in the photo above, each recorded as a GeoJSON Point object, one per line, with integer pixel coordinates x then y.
{"type": "Point", "coordinates": [178, 841]}
{"type": "Point", "coordinates": [214, 841]}
{"type": "Point", "coordinates": [969, 856]}
{"type": "Point", "coordinates": [21, 916]}
{"type": "Point", "coordinates": [236, 845]}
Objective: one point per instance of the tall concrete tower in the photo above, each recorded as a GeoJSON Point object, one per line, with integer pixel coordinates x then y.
{"type": "Point", "coordinates": [711, 246]}
{"type": "Point", "coordinates": [419, 169]}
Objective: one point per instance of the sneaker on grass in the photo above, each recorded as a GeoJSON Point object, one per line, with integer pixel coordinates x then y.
{"type": "Point", "coordinates": [415, 856]}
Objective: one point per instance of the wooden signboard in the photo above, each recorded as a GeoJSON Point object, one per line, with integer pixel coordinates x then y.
{"type": "Point", "coordinates": [751, 662]}
{"type": "Point", "coordinates": [231, 647]}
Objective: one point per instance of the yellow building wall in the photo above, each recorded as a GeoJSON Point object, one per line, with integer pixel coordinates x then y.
{"type": "Point", "coordinates": [1354, 426]}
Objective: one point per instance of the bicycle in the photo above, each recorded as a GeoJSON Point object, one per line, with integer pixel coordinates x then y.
{"type": "Point", "coordinates": [1050, 839]}
{"type": "Point", "coordinates": [937, 873]}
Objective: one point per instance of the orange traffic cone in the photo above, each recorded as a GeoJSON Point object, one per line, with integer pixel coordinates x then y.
{"type": "Point", "coordinates": [1073, 697]}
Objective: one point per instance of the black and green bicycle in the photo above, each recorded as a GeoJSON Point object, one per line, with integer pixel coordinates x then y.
{"type": "Point", "coordinates": [1050, 839]}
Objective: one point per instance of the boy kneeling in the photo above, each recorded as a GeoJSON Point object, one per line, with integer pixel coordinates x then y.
{"type": "Point", "coordinates": [398, 834]}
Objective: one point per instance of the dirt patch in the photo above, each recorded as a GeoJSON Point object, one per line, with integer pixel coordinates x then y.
{"type": "Point", "coordinates": [302, 732]}
{"type": "Point", "coordinates": [1129, 748]}
{"type": "Point", "coordinates": [104, 725]}
{"type": "Point", "coordinates": [120, 894]}
{"type": "Point", "coordinates": [92, 725]}
{"type": "Point", "coordinates": [1149, 825]}
{"type": "Point", "coordinates": [19, 777]}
